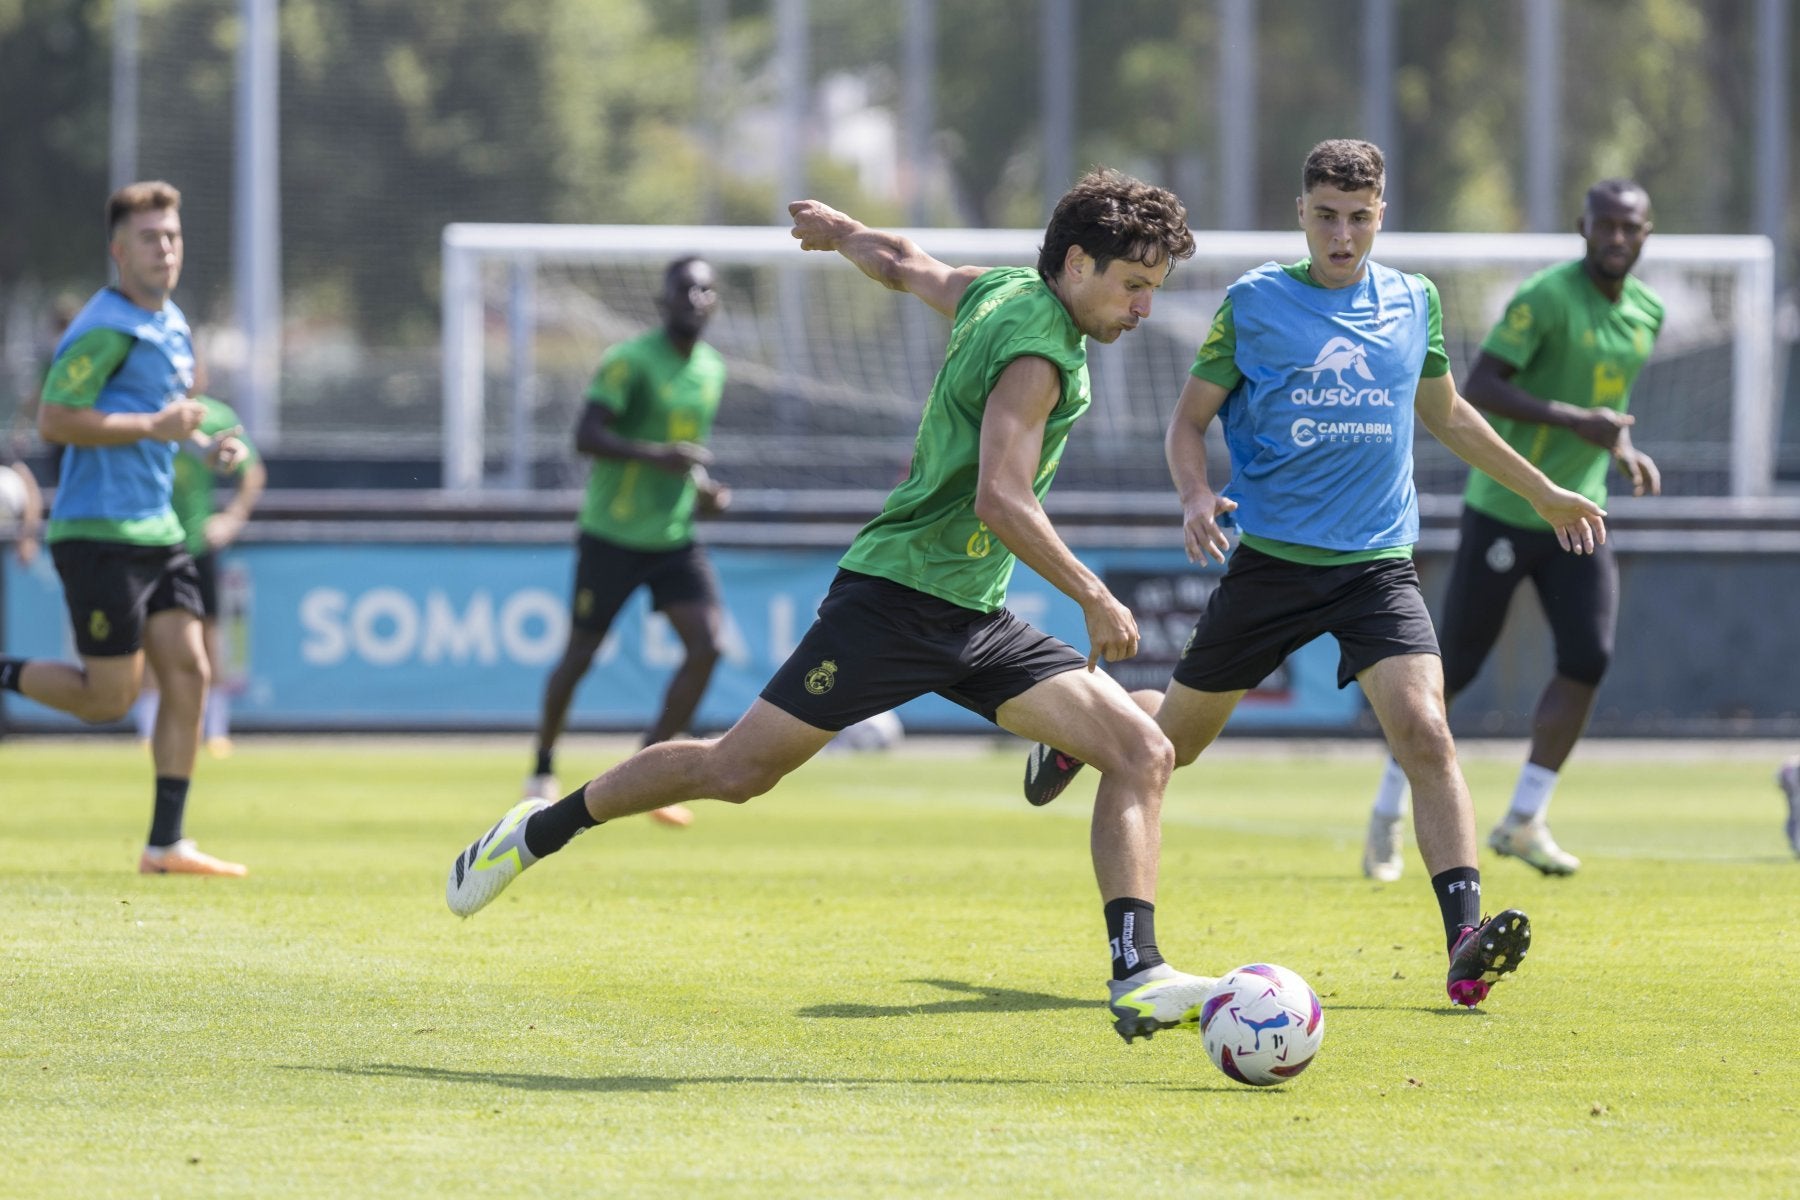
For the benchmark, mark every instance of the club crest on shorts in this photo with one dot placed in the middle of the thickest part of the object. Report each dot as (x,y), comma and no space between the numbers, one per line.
(99,628)
(1500,556)
(821,677)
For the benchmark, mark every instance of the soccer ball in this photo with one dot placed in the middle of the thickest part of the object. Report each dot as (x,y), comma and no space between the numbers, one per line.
(1261,1024)
(13,497)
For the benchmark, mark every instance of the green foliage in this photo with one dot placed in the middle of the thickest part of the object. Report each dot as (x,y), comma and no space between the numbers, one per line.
(882,979)
(399,117)
(53,94)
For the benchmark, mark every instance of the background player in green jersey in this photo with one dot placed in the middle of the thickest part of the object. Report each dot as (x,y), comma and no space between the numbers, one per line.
(117,399)
(649,412)
(208,530)
(1554,378)
(918,605)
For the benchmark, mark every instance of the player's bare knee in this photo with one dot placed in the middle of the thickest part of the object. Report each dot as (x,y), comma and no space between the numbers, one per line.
(102,708)
(740,783)
(1148,757)
(1422,743)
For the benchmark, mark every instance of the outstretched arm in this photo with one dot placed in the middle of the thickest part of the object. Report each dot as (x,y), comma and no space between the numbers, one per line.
(1453,421)
(894,262)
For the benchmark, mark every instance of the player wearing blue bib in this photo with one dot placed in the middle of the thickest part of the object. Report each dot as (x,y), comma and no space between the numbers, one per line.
(117,398)
(1317,372)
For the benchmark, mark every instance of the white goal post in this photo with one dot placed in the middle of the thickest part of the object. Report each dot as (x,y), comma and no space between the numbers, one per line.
(827,371)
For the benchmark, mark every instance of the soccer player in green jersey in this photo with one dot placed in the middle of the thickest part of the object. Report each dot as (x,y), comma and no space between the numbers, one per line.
(208,529)
(919,601)
(1554,377)
(1318,371)
(649,412)
(117,399)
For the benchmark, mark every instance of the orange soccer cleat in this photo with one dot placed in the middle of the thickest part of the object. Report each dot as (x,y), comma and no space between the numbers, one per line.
(185,858)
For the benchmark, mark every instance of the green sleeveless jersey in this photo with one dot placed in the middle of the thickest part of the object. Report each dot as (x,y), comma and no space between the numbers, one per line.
(654,395)
(927,535)
(1568,342)
(195,494)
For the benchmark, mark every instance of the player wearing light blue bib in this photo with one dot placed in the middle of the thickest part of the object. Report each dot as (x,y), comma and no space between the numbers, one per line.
(1317,372)
(116,398)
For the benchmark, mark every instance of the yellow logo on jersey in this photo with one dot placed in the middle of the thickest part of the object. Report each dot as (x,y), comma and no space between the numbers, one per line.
(981,543)
(99,628)
(1518,318)
(683,426)
(821,677)
(78,370)
(1209,349)
(1609,383)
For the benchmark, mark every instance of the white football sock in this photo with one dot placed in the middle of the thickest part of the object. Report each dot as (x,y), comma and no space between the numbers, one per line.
(1532,795)
(1391,793)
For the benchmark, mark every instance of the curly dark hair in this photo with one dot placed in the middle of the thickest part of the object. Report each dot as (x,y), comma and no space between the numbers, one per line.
(1346,164)
(1111,215)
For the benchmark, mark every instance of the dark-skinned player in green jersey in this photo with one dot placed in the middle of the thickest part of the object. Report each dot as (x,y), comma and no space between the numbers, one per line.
(649,411)
(1554,379)
(918,604)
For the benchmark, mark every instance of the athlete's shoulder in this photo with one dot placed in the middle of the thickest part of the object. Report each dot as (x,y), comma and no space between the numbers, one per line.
(1641,295)
(1553,282)
(1008,304)
(1269,273)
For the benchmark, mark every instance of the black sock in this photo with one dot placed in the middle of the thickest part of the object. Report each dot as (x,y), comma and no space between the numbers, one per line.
(543,761)
(10,670)
(1459,899)
(1131,932)
(549,829)
(167,810)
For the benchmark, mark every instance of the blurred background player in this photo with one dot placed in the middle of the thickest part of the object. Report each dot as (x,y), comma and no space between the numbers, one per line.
(650,409)
(1554,377)
(919,602)
(1328,518)
(116,398)
(208,530)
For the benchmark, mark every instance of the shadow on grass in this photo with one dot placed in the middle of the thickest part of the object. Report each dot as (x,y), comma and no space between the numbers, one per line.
(659,1083)
(972,999)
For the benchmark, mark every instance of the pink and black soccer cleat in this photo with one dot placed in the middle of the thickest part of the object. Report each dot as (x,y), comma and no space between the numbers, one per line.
(1485,952)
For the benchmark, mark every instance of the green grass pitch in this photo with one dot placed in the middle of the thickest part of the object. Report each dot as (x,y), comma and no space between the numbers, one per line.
(883,979)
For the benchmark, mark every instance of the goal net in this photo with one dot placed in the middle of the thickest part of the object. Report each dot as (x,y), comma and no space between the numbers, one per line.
(828,371)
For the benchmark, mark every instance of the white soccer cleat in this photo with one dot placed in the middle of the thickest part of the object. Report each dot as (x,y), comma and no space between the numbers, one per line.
(1383,857)
(541,787)
(1159,998)
(1531,842)
(492,861)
